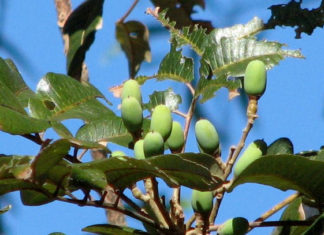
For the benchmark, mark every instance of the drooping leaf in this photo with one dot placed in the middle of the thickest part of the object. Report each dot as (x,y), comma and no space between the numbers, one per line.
(108,130)
(109,229)
(10,76)
(5,209)
(294,211)
(80,29)
(68,99)
(286,172)
(198,171)
(15,123)
(167,97)
(133,37)
(291,14)
(48,157)
(280,146)
(193,36)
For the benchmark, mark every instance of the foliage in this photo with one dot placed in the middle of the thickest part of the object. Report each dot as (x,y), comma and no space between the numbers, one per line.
(57,171)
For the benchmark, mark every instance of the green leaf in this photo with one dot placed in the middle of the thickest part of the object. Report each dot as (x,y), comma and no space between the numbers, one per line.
(108,130)
(230,56)
(16,123)
(198,171)
(48,157)
(69,99)
(167,97)
(280,146)
(10,185)
(207,87)
(5,209)
(176,67)
(133,37)
(10,76)
(108,229)
(317,227)
(192,36)
(80,29)
(9,100)
(14,167)
(286,172)
(294,211)
(88,178)
(35,198)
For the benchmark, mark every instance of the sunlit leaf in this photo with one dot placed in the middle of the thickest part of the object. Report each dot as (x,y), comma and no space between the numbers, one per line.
(167,97)
(286,172)
(18,124)
(79,30)
(133,37)
(70,99)
(5,209)
(108,229)
(10,76)
(198,171)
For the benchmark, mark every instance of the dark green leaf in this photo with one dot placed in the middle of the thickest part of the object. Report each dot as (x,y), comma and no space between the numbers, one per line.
(294,211)
(292,15)
(10,185)
(88,178)
(317,227)
(71,99)
(10,76)
(198,171)
(280,146)
(168,98)
(49,156)
(133,37)
(36,198)
(286,172)
(18,124)
(108,229)
(80,29)
(9,100)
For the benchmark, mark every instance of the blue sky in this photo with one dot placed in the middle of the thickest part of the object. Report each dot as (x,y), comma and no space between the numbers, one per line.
(291,107)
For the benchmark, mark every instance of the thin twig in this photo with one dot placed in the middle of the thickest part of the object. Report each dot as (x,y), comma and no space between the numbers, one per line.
(82,154)
(180,113)
(215,209)
(128,12)
(188,120)
(190,221)
(191,88)
(35,138)
(133,204)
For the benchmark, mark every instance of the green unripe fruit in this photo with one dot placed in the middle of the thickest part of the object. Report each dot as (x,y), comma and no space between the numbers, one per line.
(254,151)
(153,144)
(176,138)
(235,226)
(132,114)
(118,154)
(139,149)
(207,136)
(255,79)
(202,202)
(161,121)
(131,88)
(88,178)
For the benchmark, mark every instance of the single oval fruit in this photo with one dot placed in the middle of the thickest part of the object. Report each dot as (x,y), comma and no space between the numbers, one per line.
(202,202)
(132,114)
(255,79)
(139,149)
(176,139)
(207,136)
(88,178)
(131,88)
(153,144)
(161,121)
(234,226)
(254,151)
